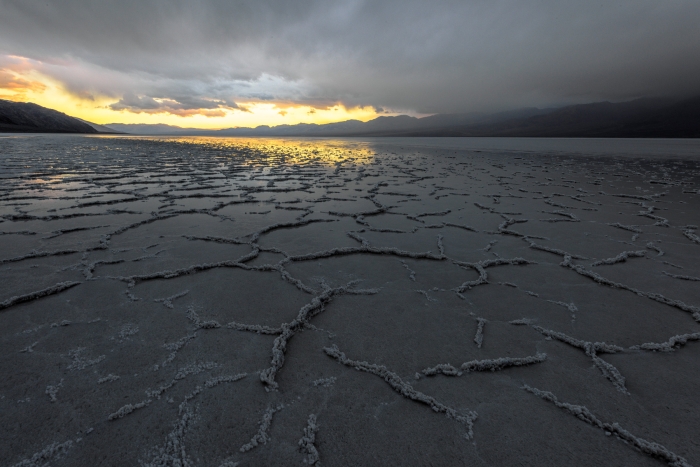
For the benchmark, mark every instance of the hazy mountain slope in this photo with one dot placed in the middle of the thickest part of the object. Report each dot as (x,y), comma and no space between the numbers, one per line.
(99,128)
(642,118)
(151,129)
(380,126)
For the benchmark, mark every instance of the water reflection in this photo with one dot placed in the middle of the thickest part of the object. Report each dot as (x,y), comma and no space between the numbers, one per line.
(269,151)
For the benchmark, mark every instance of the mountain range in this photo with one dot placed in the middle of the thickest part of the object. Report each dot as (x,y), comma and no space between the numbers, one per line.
(640,118)
(26,117)
(380,126)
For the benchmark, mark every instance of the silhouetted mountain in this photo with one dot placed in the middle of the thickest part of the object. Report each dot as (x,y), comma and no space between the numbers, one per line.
(26,117)
(155,129)
(380,126)
(641,118)
(100,128)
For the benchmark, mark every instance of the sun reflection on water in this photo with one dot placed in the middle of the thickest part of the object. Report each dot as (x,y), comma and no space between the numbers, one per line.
(274,151)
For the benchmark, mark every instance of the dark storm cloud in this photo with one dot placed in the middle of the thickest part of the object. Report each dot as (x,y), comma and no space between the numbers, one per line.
(437,56)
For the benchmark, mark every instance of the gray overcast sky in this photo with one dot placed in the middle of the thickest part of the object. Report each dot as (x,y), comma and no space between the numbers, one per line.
(422,56)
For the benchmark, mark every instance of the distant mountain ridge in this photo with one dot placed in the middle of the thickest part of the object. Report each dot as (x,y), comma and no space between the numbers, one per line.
(640,118)
(99,128)
(26,117)
(380,126)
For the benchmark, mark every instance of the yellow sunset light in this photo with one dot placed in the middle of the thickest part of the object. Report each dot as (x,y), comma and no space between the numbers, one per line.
(22,83)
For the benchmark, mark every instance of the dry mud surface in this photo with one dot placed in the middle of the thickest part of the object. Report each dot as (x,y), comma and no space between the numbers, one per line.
(214,302)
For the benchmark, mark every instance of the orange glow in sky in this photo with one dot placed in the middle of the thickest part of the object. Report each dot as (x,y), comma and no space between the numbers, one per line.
(20,81)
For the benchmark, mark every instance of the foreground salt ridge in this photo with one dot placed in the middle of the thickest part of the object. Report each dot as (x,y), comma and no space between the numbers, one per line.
(581,412)
(53,451)
(592,349)
(306,443)
(440,252)
(262,436)
(405,389)
(307,312)
(479,336)
(483,365)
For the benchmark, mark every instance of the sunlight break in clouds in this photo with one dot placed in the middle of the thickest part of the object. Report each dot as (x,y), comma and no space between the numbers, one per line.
(17,80)
(202,63)
(94,94)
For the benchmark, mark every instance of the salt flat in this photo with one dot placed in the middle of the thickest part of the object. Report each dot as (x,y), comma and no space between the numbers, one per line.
(221,302)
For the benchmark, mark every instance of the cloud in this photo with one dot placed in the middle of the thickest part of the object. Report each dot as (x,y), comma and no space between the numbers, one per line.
(16,64)
(439,56)
(183,106)
(15,82)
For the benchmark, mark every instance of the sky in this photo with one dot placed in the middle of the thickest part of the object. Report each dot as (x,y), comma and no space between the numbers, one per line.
(227,63)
